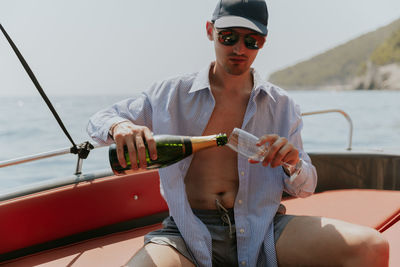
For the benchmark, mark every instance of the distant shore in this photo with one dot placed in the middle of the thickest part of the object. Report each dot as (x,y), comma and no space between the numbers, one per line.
(385,77)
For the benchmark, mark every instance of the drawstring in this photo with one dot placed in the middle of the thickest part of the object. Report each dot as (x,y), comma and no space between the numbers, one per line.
(224,216)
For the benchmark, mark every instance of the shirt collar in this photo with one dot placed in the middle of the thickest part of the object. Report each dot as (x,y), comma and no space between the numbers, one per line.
(261,85)
(202,81)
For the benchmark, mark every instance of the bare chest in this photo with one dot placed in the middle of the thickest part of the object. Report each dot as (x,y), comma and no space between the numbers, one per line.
(213,172)
(226,116)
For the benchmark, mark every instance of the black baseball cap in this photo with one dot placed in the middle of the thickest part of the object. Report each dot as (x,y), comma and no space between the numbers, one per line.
(251,14)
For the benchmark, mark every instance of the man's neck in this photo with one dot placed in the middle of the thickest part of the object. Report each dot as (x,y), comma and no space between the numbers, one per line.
(222,80)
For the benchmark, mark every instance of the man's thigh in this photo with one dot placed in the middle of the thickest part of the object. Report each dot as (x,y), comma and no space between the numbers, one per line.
(159,255)
(316,241)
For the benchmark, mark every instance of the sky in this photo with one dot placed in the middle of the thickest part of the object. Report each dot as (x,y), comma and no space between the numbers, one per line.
(86,47)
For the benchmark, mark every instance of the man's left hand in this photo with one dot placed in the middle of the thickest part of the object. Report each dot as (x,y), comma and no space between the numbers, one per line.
(279,150)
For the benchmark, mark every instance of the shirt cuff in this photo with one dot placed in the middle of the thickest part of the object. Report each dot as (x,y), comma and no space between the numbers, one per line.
(300,181)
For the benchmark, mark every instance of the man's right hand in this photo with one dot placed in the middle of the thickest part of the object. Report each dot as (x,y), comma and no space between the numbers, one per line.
(131,135)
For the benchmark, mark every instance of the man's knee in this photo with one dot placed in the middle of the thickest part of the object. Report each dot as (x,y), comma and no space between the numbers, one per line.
(372,249)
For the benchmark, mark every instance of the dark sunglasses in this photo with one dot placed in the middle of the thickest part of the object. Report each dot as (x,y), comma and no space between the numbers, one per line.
(230,37)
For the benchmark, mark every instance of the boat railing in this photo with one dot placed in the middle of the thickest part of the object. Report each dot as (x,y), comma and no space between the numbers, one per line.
(64,151)
(44,155)
(347,117)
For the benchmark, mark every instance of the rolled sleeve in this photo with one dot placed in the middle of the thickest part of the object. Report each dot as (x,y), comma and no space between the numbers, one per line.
(137,110)
(304,184)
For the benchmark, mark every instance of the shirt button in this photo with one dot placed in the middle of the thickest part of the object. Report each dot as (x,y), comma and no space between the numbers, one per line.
(242,173)
(240,201)
(243,263)
(241,230)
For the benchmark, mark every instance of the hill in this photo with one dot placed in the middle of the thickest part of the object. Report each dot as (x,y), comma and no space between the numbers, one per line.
(371,61)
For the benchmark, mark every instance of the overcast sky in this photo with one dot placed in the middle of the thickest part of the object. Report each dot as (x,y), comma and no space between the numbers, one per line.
(122,47)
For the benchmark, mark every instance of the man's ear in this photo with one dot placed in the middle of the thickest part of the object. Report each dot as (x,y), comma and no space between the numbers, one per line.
(210,30)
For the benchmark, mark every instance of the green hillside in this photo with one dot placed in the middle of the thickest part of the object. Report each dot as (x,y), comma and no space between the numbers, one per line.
(341,64)
(389,51)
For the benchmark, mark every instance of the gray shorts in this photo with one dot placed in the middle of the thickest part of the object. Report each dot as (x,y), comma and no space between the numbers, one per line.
(222,232)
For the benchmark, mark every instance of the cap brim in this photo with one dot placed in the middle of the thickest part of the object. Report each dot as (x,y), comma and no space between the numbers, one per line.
(236,21)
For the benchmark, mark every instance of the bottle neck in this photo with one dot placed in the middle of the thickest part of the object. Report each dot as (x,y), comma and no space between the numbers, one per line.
(201,142)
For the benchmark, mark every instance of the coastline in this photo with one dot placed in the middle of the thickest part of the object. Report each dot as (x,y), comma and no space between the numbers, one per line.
(377,78)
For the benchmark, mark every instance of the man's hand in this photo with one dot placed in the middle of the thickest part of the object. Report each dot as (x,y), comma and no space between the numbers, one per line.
(134,137)
(279,150)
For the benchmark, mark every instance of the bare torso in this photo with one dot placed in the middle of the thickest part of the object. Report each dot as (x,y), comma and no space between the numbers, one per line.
(213,172)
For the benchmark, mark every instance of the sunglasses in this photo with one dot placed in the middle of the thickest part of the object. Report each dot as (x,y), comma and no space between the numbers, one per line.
(230,37)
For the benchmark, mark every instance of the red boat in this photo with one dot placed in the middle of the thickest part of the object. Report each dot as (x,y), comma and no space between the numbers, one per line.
(100,219)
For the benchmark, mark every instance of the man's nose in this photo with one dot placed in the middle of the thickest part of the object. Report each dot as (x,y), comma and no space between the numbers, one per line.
(239,47)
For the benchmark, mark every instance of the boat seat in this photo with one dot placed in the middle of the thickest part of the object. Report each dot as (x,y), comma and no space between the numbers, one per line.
(392,234)
(379,209)
(375,208)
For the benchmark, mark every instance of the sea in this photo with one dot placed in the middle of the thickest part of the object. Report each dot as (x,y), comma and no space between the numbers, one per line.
(27,127)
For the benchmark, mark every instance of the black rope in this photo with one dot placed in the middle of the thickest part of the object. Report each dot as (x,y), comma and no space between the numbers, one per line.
(83,149)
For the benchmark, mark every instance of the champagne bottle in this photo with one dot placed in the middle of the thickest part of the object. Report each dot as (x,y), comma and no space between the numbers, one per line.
(170,149)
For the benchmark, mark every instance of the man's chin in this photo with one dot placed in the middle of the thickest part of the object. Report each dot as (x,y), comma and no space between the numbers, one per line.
(237,71)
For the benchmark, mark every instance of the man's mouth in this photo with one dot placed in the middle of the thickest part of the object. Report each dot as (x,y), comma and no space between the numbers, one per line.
(237,59)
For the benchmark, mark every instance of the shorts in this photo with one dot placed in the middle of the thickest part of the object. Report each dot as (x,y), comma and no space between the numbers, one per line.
(222,229)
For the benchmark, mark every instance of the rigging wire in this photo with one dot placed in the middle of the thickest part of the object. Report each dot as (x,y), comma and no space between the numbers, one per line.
(83,149)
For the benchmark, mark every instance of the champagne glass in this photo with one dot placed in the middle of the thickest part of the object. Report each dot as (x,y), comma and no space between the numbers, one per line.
(245,144)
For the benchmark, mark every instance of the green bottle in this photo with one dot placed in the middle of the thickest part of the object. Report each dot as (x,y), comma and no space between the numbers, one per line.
(170,149)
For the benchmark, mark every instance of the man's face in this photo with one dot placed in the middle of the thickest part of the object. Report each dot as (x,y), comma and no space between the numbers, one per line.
(235,59)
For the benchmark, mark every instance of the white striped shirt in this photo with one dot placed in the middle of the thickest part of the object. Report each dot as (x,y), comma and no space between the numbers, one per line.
(183,106)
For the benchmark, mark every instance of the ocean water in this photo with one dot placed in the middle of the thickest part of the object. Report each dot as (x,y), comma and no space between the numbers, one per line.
(27,127)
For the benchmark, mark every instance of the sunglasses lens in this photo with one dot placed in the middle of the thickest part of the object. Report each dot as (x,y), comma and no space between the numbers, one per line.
(254,41)
(228,37)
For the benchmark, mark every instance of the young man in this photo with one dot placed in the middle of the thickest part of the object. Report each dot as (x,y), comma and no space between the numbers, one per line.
(224,208)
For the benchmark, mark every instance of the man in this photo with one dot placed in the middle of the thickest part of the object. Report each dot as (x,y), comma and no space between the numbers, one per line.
(224,208)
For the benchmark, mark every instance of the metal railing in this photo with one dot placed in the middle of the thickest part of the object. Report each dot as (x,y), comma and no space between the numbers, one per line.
(44,155)
(64,151)
(337,111)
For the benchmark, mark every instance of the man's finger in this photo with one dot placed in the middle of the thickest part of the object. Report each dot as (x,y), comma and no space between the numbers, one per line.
(268,138)
(120,152)
(132,151)
(273,148)
(252,161)
(141,150)
(280,155)
(151,143)
(292,157)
